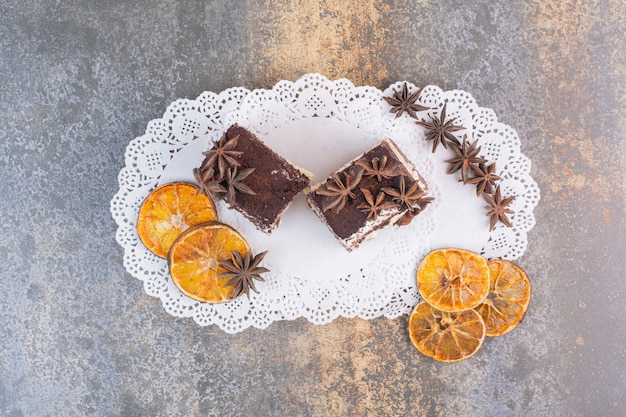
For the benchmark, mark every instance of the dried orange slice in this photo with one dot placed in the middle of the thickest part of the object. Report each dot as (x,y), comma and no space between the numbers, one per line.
(194,261)
(168,211)
(508,298)
(446,336)
(453,279)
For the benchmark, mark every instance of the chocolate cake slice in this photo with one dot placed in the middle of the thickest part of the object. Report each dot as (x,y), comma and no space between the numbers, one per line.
(378,188)
(253,179)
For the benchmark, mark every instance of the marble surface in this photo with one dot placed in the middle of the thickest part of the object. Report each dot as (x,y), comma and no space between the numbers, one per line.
(80,79)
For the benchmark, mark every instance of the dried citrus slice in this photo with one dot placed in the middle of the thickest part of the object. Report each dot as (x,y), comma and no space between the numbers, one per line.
(446,336)
(508,298)
(194,261)
(453,279)
(168,211)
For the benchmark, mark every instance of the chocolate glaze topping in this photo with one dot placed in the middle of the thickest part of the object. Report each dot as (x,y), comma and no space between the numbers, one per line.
(351,219)
(274,181)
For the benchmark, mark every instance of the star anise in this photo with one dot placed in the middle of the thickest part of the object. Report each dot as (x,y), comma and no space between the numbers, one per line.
(409,197)
(234,182)
(485,178)
(497,209)
(440,130)
(243,271)
(403,102)
(222,155)
(337,191)
(408,217)
(208,181)
(466,158)
(373,206)
(378,167)
(422,203)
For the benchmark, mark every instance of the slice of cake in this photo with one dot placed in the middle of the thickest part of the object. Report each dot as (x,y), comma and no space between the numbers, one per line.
(253,179)
(378,188)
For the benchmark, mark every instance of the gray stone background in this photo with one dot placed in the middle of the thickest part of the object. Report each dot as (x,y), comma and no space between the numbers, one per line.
(80,79)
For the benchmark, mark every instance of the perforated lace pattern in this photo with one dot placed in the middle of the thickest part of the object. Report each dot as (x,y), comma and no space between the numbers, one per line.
(385,286)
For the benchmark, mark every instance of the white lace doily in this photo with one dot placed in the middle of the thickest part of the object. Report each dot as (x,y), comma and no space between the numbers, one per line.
(316,123)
